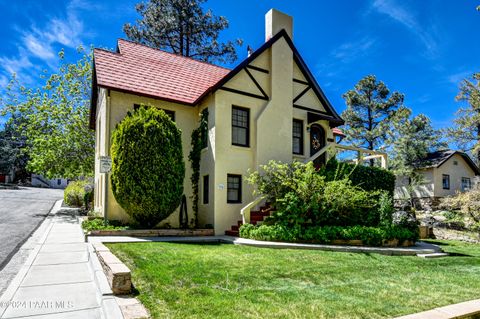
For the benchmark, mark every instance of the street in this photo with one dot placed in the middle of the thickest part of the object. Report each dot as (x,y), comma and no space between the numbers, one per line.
(21,211)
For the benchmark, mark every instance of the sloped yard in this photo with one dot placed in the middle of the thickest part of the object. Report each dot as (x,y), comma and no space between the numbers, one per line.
(227,281)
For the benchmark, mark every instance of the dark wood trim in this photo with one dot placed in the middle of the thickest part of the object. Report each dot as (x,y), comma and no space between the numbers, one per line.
(301,82)
(244,93)
(256,68)
(239,201)
(301,94)
(256,83)
(309,109)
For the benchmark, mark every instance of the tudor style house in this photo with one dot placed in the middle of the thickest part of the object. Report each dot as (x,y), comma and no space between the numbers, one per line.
(268,107)
(444,173)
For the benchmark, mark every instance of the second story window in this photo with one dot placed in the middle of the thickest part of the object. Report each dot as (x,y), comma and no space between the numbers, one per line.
(240,126)
(297,136)
(446,181)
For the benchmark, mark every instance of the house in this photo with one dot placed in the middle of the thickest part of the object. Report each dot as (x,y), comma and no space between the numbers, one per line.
(443,173)
(40,181)
(268,107)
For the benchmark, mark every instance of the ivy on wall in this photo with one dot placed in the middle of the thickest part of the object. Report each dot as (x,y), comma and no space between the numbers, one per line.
(199,142)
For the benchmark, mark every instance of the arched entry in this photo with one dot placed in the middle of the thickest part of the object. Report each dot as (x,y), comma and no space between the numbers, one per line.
(317,142)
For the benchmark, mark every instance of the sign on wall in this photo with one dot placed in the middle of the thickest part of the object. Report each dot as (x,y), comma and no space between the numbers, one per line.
(105,164)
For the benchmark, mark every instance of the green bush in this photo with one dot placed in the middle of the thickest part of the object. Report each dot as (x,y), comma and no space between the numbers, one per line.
(78,194)
(148,167)
(99,224)
(367,177)
(302,196)
(372,236)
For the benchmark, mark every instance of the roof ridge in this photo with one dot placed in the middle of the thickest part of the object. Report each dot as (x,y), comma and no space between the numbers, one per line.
(171,53)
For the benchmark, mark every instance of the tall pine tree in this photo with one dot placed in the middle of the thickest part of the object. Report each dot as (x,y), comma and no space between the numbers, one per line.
(371,113)
(466,130)
(182,27)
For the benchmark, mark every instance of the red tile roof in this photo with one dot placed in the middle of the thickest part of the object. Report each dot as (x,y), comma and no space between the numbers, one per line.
(146,71)
(337,131)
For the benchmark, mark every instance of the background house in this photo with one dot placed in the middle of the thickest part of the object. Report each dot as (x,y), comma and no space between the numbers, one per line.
(444,173)
(40,181)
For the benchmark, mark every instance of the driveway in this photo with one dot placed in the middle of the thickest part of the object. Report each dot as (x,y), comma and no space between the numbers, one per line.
(21,211)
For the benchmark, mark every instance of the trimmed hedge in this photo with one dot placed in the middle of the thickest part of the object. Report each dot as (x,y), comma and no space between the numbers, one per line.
(372,236)
(148,168)
(367,177)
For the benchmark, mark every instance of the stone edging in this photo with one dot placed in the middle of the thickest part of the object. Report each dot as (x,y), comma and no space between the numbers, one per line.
(153,232)
(118,275)
(465,309)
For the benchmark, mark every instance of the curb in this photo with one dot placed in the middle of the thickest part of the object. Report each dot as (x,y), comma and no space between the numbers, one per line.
(17,280)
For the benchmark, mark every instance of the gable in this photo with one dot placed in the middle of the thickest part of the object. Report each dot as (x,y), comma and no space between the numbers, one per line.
(304,95)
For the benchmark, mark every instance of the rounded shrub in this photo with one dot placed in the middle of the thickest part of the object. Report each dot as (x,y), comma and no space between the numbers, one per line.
(78,193)
(147,165)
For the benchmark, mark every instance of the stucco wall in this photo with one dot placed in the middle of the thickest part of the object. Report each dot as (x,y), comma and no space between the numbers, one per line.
(421,191)
(456,173)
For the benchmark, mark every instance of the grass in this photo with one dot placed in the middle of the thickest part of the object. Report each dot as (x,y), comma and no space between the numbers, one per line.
(227,281)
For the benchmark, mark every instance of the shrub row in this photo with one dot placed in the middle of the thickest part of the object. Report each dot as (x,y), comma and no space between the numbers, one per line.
(372,236)
(367,177)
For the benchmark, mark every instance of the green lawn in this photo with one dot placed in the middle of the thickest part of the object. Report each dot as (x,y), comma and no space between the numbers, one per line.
(227,281)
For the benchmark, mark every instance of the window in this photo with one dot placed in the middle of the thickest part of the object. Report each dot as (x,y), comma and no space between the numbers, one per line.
(204,132)
(455,163)
(234,188)
(297,137)
(466,184)
(171,114)
(59,181)
(446,181)
(240,126)
(205,189)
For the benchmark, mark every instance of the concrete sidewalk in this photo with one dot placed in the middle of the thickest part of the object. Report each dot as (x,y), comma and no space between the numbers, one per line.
(59,279)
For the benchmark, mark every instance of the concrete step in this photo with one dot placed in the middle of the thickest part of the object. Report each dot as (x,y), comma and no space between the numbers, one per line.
(434,255)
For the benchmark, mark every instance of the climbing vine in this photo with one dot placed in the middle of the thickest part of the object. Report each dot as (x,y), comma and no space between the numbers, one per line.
(199,142)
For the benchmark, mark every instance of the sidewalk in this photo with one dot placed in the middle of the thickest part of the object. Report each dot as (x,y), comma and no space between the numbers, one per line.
(58,279)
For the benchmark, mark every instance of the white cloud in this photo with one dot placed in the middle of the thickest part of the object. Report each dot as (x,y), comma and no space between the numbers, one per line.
(408,20)
(456,78)
(42,42)
(348,51)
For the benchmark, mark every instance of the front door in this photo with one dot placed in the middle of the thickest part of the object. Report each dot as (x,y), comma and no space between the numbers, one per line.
(317,142)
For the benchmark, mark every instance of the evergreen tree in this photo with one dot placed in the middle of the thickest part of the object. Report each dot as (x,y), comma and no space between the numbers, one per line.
(466,130)
(371,113)
(411,140)
(182,27)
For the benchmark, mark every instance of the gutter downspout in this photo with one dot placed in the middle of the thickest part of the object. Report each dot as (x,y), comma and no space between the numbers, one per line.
(107,143)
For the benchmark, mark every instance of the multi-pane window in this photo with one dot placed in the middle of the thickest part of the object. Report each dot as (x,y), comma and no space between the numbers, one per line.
(297,135)
(205,189)
(171,114)
(466,184)
(240,126)
(234,188)
(446,181)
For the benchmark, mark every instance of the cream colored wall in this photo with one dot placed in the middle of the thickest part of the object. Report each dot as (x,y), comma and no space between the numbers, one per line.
(207,167)
(186,118)
(456,173)
(421,191)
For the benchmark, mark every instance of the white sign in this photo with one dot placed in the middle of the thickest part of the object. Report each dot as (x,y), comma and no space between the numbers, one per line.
(221,186)
(105,164)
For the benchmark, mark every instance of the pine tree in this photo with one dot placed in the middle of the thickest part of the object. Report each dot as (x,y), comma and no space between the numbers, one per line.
(466,130)
(371,113)
(182,27)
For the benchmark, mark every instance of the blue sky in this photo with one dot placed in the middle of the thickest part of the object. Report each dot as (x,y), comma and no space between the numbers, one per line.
(421,48)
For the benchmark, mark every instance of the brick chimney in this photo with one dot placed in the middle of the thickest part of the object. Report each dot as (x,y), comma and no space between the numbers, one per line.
(275,21)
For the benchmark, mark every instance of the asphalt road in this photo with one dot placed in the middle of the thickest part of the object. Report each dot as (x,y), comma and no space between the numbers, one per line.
(21,211)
